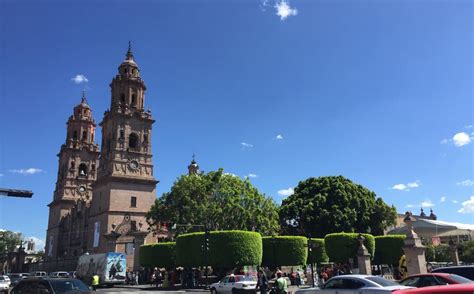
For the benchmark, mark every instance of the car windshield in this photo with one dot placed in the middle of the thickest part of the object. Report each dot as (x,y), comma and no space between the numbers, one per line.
(63,286)
(459,279)
(381,281)
(246,278)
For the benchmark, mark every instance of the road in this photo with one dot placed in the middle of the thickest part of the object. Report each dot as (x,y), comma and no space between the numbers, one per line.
(146,290)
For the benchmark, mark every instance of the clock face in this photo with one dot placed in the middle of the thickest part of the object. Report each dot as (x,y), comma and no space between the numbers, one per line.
(82,189)
(133,164)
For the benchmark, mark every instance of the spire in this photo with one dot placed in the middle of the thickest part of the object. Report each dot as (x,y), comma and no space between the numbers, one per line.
(193,168)
(83,99)
(422,213)
(129,51)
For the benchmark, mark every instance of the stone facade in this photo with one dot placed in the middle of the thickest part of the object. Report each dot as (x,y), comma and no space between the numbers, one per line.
(120,186)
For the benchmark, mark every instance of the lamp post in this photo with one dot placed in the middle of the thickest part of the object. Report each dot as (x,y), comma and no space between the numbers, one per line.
(310,249)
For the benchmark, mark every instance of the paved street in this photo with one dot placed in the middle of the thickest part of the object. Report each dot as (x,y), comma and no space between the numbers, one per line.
(145,289)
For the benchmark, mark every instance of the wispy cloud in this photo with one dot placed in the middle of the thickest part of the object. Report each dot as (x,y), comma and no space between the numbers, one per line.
(455,201)
(442,199)
(459,139)
(468,127)
(28,171)
(1,175)
(279,137)
(79,79)
(286,192)
(466,183)
(252,175)
(246,145)
(406,187)
(424,204)
(284,9)
(467,206)
(232,175)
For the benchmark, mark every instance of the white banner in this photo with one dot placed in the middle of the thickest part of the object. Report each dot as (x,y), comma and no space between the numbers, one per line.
(96,234)
(50,247)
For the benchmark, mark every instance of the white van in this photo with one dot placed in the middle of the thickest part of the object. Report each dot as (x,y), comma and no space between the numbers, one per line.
(59,275)
(39,274)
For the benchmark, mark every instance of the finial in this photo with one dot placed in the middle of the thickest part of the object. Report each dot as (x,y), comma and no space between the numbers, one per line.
(129,51)
(194,156)
(84,100)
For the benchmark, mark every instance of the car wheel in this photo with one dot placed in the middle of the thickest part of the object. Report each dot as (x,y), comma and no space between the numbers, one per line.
(213,291)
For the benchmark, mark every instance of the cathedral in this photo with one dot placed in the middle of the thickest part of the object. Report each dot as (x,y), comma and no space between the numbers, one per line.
(101,197)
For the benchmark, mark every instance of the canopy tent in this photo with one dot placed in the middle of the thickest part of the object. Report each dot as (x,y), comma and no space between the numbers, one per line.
(428,228)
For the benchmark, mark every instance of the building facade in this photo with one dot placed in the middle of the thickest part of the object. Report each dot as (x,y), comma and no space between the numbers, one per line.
(101,199)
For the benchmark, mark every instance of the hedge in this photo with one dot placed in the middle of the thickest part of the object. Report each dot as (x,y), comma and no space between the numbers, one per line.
(284,250)
(158,254)
(318,252)
(440,253)
(388,249)
(227,249)
(340,247)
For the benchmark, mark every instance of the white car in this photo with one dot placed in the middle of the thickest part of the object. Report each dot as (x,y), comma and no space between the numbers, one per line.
(235,284)
(4,284)
(355,284)
(59,275)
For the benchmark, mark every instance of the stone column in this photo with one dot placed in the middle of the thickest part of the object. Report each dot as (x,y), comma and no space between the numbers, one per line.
(414,250)
(453,247)
(139,241)
(363,257)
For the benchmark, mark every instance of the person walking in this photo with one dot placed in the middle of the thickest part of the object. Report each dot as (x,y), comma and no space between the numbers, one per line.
(281,284)
(262,282)
(95,282)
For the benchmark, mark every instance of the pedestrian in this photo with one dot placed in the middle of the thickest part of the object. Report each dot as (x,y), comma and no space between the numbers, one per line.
(95,282)
(262,282)
(281,284)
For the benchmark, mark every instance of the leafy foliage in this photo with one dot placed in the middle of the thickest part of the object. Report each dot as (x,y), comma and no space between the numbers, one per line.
(325,205)
(221,201)
(284,250)
(8,242)
(158,254)
(388,249)
(318,252)
(342,246)
(467,251)
(227,249)
(440,253)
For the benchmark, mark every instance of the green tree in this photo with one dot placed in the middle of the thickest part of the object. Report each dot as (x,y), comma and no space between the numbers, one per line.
(325,205)
(8,242)
(221,201)
(467,251)
(440,253)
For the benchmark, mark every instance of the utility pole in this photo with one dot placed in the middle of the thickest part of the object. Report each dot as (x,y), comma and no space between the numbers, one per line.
(310,249)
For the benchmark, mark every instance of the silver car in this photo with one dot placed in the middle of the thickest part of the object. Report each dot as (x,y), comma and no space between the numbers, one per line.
(355,284)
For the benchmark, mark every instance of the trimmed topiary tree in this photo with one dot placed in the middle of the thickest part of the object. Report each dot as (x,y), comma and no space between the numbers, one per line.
(388,249)
(158,254)
(340,247)
(318,252)
(227,249)
(284,250)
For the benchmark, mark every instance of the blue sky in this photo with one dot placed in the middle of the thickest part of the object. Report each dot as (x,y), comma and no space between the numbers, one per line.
(378,91)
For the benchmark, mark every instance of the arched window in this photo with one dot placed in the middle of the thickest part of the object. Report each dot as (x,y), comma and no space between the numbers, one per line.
(83,169)
(73,165)
(84,135)
(133,140)
(145,138)
(122,98)
(122,133)
(134,99)
(74,135)
(93,167)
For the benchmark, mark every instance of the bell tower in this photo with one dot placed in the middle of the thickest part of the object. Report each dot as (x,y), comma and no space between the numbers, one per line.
(77,170)
(126,188)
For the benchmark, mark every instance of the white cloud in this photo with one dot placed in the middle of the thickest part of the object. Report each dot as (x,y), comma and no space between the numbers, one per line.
(79,79)
(461,139)
(246,145)
(427,203)
(284,10)
(406,187)
(231,174)
(39,243)
(410,205)
(442,199)
(286,192)
(468,127)
(466,183)
(279,137)
(455,201)
(252,176)
(1,175)
(29,171)
(467,206)
(444,141)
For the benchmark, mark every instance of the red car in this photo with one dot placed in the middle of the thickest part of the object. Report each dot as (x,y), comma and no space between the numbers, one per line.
(447,289)
(433,279)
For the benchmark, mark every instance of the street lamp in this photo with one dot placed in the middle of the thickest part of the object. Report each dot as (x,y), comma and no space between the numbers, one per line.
(310,249)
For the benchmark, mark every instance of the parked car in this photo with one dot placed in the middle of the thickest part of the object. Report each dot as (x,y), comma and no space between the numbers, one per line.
(433,279)
(4,284)
(50,286)
(466,271)
(235,284)
(447,289)
(357,284)
(16,277)
(39,274)
(59,275)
